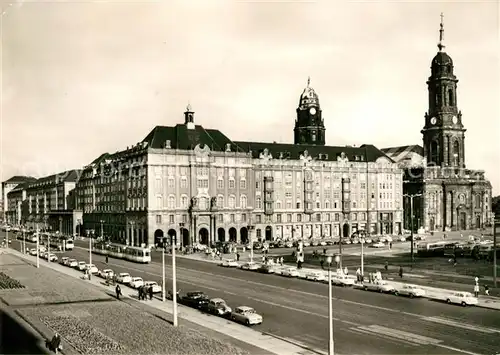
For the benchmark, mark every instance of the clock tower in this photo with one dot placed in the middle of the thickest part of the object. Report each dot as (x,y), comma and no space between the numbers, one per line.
(309,125)
(443,132)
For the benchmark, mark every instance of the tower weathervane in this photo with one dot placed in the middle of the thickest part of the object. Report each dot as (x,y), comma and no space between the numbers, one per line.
(441,34)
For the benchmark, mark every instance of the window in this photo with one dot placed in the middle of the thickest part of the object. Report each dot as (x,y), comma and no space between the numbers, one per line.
(220,201)
(289,217)
(232,201)
(278,218)
(171,218)
(158,184)
(327,204)
(183,182)
(158,219)
(202,183)
(336,217)
(171,202)
(184,201)
(258,232)
(258,203)
(258,218)
(202,204)
(231,183)
(232,217)
(159,202)
(220,184)
(243,184)
(243,201)
(220,218)
(318,217)
(298,204)
(318,204)
(278,205)
(171,182)
(299,218)
(354,216)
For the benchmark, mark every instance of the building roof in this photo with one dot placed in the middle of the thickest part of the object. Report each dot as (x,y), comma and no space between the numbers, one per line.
(65,176)
(400,153)
(366,152)
(18,179)
(181,137)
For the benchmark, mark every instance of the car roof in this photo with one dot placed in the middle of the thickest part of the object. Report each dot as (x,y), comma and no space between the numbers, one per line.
(217,300)
(245,308)
(124,273)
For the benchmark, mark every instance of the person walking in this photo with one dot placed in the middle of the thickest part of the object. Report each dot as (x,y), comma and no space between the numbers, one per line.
(150,291)
(486,290)
(386,266)
(358,275)
(106,259)
(476,290)
(400,272)
(118,291)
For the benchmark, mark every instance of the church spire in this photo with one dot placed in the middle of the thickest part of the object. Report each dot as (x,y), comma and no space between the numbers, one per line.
(441,34)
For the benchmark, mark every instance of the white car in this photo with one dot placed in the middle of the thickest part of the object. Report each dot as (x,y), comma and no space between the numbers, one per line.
(82,265)
(378,245)
(306,243)
(51,257)
(246,315)
(250,266)
(93,269)
(136,282)
(342,280)
(378,286)
(33,252)
(462,298)
(402,238)
(315,276)
(64,260)
(105,273)
(124,278)
(154,285)
(229,263)
(409,290)
(322,243)
(368,241)
(290,272)
(72,263)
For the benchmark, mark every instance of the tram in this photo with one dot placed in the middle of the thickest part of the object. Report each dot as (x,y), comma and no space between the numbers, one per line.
(120,251)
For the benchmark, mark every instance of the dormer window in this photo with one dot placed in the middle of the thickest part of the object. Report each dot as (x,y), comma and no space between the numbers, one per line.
(168,144)
(228,147)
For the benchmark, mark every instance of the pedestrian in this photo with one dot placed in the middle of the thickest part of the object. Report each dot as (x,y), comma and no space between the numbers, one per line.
(358,275)
(476,290)
(390,245)
(346,272)
(486,290)
(401,272)
(386,266)
(455,259)
(118,291)
(150,290)
(237,256)
(281,260)
(263,258)
(106,259)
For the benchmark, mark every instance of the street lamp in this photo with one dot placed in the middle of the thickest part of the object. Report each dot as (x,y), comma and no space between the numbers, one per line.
(330,306)
(132,236)
(411,196)
(102,229)
(174,276)
(37,246)
(250,231)
(362,235)
(163,270)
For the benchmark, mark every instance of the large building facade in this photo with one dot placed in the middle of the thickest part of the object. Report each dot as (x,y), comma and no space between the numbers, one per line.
(9,213)
(448,195)
(202,187)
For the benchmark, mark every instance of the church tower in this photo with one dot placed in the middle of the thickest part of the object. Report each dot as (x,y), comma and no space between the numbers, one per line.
(309,125)
(443,132)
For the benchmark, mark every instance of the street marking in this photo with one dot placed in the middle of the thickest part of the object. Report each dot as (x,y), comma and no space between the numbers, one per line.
(457,350)
(386,337)
(399,334)
(457,324)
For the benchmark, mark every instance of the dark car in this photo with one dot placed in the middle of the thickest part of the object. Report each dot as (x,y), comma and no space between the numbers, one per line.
(196,299)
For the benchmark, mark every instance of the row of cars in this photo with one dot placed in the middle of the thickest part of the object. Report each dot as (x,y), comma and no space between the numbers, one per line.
(42,253)
(339,279)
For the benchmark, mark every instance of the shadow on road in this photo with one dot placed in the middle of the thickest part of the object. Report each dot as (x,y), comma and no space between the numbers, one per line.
(16,339)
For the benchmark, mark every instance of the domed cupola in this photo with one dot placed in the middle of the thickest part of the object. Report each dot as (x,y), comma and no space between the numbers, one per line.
(442,64)
(309,98)
(309,125)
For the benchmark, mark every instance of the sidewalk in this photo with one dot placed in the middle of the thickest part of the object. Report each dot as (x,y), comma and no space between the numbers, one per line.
(220,325)
(415,278)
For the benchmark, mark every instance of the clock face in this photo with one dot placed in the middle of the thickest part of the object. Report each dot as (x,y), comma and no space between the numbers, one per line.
(433,120)
(312,111)
(454,119)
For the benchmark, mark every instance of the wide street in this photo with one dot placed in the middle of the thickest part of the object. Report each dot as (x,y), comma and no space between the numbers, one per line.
(364,323)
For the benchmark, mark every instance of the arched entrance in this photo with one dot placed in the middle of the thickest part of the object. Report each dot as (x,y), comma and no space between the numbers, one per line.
(345,230)
(172,233)
(204,236)
(478,221)
(185,237)
(221,235)
(232,234)
(244,235)
(432,224)
(462,221)
(269,233)
(159,237)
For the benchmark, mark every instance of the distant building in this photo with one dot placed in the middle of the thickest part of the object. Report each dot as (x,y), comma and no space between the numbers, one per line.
(47,202)
(197,183)
(452,196)
(7,186)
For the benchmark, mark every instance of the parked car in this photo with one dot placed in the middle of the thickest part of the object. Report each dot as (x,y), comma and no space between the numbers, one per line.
(196,299)
(289,244)
(229,263)
(73,263)
(410,291)
(81,265)
(250,266)
(124,278)
(64,260)
(342,280)
(154,285)
(315,276)
(462,298)
(92,268)
(246,315)
(266,269)
(290,272)
(33,252)
(402,238)
(136,282)
(52,257)
(379,286)
(105,273)
(377,245)
(218,307)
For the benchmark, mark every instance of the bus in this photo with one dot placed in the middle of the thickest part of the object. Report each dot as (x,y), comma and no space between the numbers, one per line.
(433,249)
(120,251)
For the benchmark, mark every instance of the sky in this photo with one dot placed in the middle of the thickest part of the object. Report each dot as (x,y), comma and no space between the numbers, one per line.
(83,78)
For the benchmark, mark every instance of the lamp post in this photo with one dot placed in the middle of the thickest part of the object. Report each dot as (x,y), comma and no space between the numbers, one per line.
(102,229)
(37,246)
(163,282)
(250,231)
(48,247)
(495,224)
(90,247)
(330,306)
(174,276)
(411,196)
(362,242)
(24,240)
(132,242)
